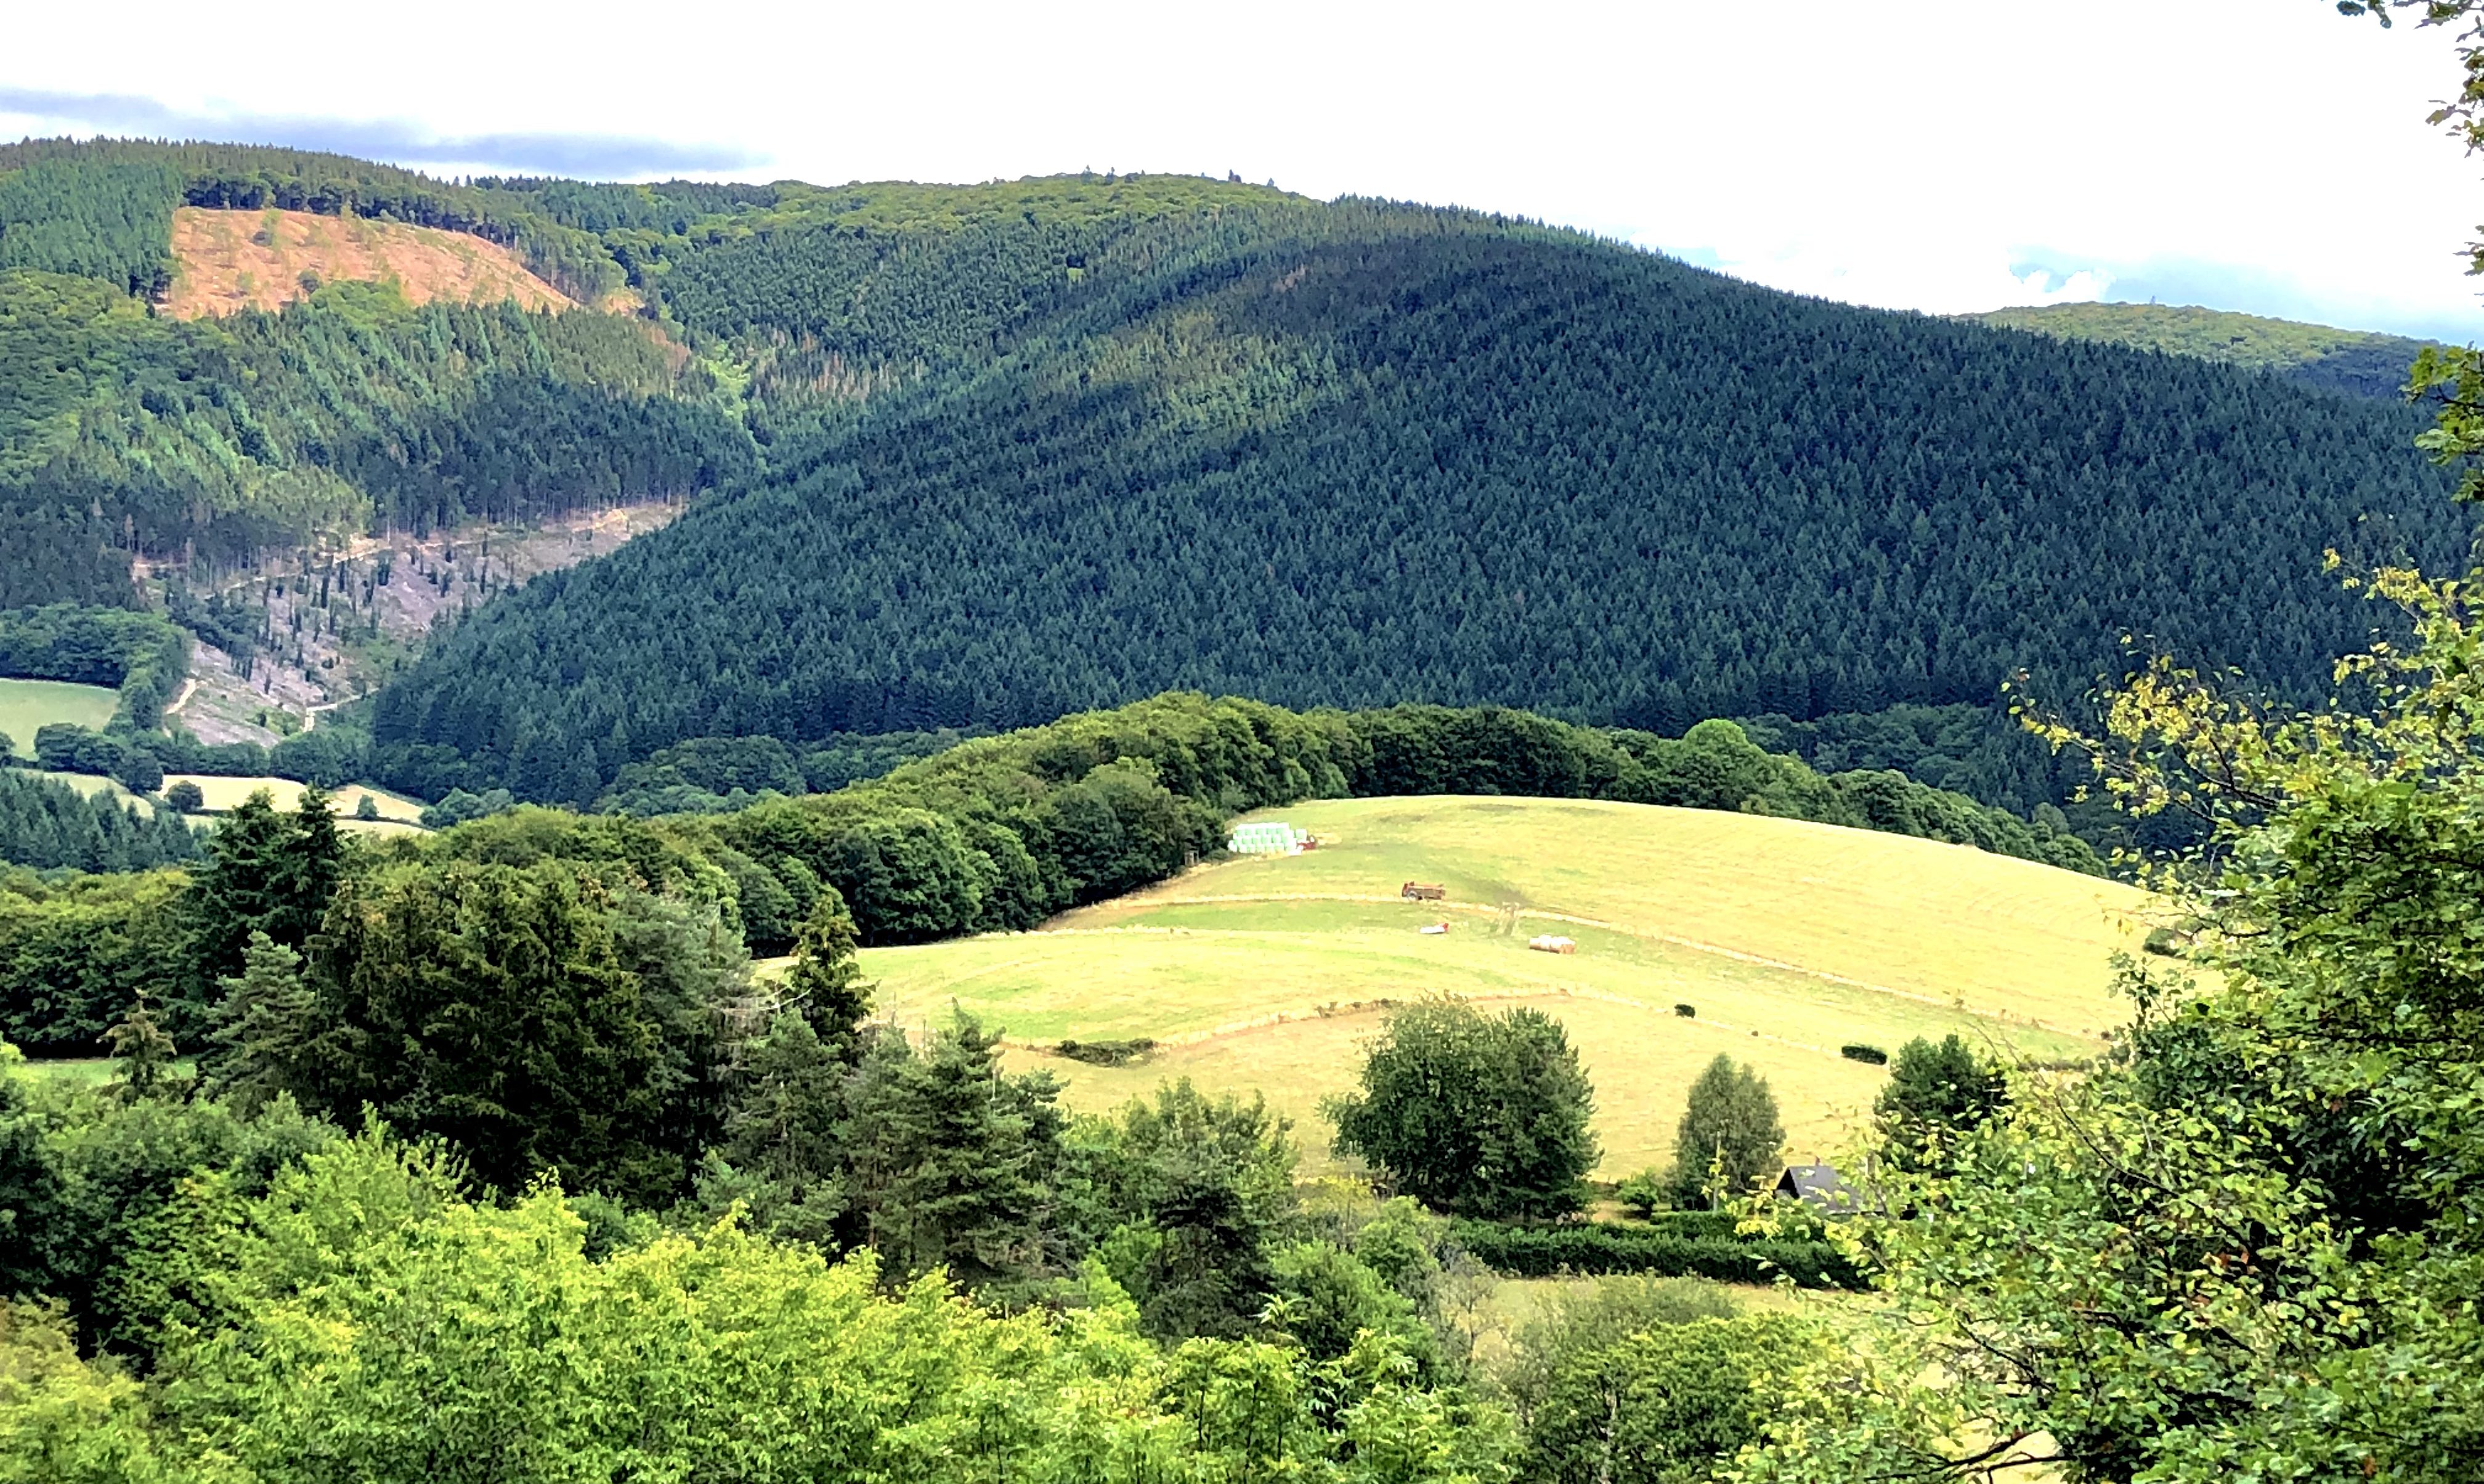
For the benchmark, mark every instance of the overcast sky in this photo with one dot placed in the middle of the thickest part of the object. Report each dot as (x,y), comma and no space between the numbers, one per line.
(2266,156)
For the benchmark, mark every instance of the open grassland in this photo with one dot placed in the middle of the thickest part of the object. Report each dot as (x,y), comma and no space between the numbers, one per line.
(89,1071)
(1789,940)
(28,704)
(224,795)
(93,786)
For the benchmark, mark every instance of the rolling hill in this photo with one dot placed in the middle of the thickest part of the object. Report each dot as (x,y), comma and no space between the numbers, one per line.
(2361,363)
(1359,453)
(1790,939)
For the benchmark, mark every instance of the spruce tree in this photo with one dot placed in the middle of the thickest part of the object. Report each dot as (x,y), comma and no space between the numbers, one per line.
(950,1157)
(141,1052)
(261,1027)
(824,984)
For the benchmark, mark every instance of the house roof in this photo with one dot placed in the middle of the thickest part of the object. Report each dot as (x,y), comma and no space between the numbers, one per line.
(1820,1186)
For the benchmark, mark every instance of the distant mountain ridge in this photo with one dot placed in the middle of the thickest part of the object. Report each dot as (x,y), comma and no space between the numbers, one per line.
(2363,363)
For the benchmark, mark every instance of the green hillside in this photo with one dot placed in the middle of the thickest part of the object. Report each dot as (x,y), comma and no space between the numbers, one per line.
(2361,361)
(1790,939)
(1355,454)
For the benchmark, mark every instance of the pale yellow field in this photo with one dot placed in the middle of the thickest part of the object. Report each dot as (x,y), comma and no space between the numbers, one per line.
(1788,939)
(226,793)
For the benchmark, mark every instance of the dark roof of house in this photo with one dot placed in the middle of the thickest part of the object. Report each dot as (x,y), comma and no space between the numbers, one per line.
(1821,1186)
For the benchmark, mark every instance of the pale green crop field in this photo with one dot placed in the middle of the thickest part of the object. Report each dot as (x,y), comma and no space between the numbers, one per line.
(1788,939)
(28,704)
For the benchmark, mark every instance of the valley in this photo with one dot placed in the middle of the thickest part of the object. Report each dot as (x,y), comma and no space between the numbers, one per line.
(1880,895)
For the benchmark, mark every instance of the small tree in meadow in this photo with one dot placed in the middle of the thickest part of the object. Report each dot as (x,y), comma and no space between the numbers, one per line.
(1474,1113)
(1730,1135)
(1935,1091)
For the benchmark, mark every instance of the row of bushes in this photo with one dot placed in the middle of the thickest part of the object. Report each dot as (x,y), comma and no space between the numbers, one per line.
(330,757)
(141,656)
(1594,1247)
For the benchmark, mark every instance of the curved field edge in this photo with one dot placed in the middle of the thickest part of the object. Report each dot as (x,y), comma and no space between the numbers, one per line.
(1788,941)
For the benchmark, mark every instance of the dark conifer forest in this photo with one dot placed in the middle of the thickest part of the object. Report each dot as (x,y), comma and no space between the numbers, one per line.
(1363,453)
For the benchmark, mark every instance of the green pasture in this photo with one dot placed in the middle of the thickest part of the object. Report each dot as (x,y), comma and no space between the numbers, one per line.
(1789,940)
(28,704)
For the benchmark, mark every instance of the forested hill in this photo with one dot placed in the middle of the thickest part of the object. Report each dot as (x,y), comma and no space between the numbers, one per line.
(129,435)
(1362,453)
(2363,363)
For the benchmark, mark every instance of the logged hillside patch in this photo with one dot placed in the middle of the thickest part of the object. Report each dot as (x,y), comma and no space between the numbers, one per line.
(226,261)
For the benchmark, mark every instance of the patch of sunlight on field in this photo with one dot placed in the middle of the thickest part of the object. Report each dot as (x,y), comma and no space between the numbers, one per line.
(1640,1060)
(1914,916)
(28,704)
(224,795)
(88,1071)
(1786,942)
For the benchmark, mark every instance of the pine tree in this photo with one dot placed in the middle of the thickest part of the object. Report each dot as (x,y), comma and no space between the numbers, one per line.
(950,1157)
(143,1052)
(261,1027)
(824,984)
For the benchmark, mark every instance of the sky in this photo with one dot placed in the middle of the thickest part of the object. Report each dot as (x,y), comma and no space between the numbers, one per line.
(2263,155)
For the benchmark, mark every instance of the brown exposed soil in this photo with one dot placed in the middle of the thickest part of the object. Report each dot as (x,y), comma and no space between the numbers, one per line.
(232,260)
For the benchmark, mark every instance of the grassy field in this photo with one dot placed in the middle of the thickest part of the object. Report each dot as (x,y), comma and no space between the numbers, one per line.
(397,813)
(1788,939)
(90,1072)
(28,704)
(91,785)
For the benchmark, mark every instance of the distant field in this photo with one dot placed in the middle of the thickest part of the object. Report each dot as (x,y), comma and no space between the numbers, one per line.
(1789,940)
(90,785)
(28,704)
(225,794)
(90,1072)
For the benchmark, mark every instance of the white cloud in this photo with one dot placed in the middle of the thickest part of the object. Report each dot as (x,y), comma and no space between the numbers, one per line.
(1916,155)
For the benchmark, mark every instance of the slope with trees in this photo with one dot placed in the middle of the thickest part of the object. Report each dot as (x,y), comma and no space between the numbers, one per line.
(2360,362)
(1360,453)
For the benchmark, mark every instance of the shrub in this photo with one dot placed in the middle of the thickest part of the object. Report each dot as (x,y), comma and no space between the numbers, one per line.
(1106,1053)
(1870,1055)
(1546,1251)
(186,796)
(1686,1011)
